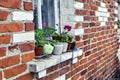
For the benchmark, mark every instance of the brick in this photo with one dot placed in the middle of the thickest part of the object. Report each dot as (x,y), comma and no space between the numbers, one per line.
(64,70)
(77,25)
(87,30)
(94,7)
(28,57)
(13,47)
(87,6)
(28,6)
(77,12)
(52,76)
(3,15)
(84,12)
(0,75)
(2,52)
(83,72)
(27,47)
(10,61)
(53,68)
(64,64)
(79,44)
(85,25)
(5,39)
(77,38)
(13,60)
(28,76)
(75,77)
(87,53)
(11,4)
(29,26)
(68,75)
(11,27)
(10,72)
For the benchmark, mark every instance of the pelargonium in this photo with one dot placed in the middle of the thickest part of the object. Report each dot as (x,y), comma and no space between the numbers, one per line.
(67,27)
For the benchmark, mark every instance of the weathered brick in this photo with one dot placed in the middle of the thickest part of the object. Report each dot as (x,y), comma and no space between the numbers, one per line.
(64,70)
(9,61)
(5,39)
(11,27)
(13,47)
(75,77)
(11,3)
(29,26)
(77,25)
(10,72)
(27,47)
(79,44)
(87,53)
(87,6)
(83,72)
(64,64)
(52,76)
(3,15)
(28,6)
(28,76)
(53,68)
(77,38)
(28,57)
(2,52)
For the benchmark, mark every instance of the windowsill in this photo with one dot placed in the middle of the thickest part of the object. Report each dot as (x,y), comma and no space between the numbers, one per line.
(42,64)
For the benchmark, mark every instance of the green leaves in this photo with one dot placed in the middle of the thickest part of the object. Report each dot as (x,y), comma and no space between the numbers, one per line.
(118,23)
(40,38)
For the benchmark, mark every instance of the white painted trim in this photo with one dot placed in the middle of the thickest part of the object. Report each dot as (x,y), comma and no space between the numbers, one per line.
(39,14)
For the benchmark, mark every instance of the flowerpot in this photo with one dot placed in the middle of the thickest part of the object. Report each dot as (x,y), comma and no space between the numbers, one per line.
(47,49)
(38,51)
(71,46)
(58,48)
(65,45)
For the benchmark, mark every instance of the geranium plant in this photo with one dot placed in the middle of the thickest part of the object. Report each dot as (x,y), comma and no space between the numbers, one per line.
(65,37)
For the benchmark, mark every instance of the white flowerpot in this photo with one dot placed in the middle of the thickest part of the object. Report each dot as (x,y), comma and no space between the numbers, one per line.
(65,46)
(58,48)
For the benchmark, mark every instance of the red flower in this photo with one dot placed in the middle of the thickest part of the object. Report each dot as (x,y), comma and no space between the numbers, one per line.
(67,27)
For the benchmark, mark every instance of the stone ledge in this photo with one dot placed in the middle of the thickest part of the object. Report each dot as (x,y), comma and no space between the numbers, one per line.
(42,64)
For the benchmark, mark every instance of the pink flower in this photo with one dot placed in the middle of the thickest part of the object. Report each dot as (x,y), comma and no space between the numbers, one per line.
(45,24)
(67,27)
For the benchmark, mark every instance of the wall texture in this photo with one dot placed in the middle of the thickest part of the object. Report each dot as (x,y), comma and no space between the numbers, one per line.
(16,38)
(94,27)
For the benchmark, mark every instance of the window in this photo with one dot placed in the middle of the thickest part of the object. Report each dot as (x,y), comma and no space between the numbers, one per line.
(46,11)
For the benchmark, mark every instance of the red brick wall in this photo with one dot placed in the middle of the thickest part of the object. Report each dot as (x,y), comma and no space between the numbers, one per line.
(98,43)
(14,56)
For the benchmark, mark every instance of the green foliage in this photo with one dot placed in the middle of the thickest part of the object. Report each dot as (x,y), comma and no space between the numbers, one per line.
(50,31)
(118,23)
(40,38)
(64,37)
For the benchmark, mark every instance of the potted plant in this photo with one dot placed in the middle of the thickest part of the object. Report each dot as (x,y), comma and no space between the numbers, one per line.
(42,45)
(40,40)
(65,38)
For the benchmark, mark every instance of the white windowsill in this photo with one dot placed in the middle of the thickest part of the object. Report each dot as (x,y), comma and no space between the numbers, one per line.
(42,64)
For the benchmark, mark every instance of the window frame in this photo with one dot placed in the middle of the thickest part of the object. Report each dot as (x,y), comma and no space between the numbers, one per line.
(37,5)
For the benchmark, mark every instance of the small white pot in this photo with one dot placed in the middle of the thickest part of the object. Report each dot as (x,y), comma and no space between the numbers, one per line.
(58,48)
(65,45)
